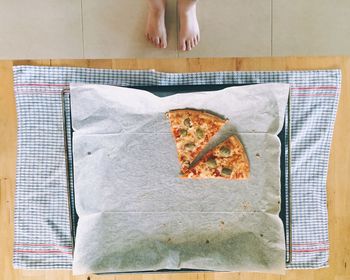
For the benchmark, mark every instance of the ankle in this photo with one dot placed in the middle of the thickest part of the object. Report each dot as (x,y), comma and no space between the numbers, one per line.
(157,12)
(156,7)
(187,4)
(186,7)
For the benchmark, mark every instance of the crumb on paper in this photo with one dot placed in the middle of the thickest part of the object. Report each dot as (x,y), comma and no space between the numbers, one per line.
(246,205)
(222,225)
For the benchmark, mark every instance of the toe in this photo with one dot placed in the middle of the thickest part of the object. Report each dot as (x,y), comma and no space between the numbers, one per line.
(156,41)
(189,47)
(193,43)
(163,43)
(183,45)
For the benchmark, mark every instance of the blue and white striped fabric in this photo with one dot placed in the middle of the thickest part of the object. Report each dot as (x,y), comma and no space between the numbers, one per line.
(43,238)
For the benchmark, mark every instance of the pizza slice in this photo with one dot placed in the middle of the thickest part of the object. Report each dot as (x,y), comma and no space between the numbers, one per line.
(228,160)
(192,130)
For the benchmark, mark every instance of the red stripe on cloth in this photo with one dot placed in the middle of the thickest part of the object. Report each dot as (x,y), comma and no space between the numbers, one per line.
(314,94)
(314,88)
(39,92)
(311,243)
(311,250)
(41,85)
(42,245)
(43,252)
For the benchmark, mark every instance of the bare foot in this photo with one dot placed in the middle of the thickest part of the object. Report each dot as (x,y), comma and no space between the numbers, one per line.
(189,29)
(155,27)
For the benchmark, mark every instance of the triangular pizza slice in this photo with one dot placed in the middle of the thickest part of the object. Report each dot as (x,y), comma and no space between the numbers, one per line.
(228,160)
(192,130)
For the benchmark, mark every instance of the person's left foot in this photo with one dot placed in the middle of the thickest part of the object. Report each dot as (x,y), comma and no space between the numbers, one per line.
(189,28)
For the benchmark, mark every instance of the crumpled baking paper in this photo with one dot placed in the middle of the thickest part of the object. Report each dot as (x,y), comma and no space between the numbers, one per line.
(136,214)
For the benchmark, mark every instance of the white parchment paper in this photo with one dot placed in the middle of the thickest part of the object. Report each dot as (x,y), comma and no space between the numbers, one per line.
(136,214)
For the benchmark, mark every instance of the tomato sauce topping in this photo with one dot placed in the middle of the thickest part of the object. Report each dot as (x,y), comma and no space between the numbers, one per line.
(176,133)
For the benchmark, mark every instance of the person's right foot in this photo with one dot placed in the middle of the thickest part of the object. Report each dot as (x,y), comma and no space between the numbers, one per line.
(189,28)
(155,27)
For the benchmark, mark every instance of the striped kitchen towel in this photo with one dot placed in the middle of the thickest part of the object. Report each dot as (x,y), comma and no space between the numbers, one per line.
(43,234)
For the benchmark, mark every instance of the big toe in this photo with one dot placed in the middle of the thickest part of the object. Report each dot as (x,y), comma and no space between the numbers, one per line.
(183,45)
(163,43)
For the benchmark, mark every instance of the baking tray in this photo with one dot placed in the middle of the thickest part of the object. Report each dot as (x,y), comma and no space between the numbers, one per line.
(162,91)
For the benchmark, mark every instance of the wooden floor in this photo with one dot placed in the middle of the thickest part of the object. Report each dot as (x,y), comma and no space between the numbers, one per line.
(338,183)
